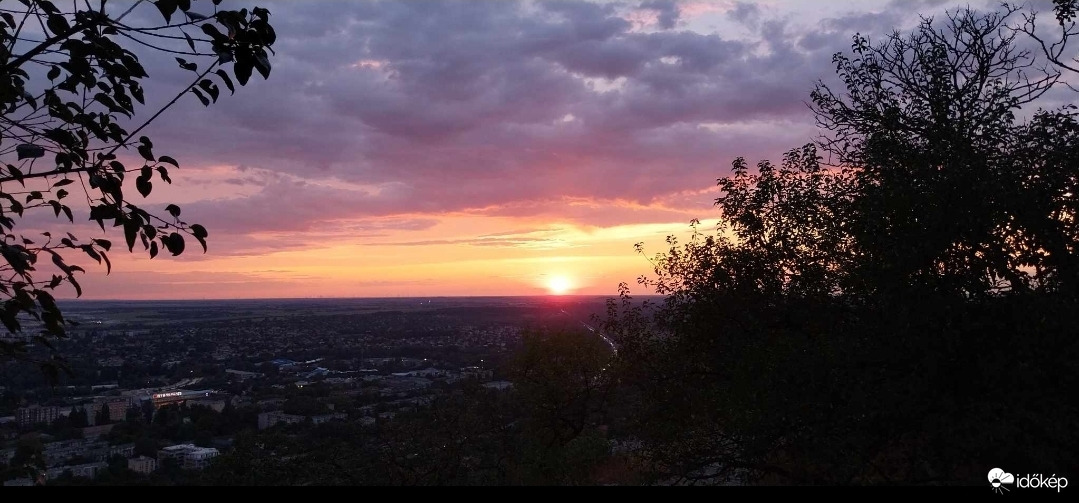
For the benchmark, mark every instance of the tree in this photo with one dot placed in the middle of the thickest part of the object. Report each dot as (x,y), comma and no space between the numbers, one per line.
(1055,49)
(927,125)
(562,383)
(72,99)
(102,416)
(78,418)
(881,313)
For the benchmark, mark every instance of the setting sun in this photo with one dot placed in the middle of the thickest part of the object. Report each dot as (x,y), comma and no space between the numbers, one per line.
(559,285)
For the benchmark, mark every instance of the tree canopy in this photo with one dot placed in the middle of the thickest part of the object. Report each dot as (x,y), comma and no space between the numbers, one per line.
(73,98)
(891,303)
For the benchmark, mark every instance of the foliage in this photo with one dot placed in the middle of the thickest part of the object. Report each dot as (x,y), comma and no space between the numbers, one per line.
(72,99)
(546,429)
(898,314)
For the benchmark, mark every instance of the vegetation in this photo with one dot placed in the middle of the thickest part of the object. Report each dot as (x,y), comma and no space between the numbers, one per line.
(893,304)
(897,314)
(72,99)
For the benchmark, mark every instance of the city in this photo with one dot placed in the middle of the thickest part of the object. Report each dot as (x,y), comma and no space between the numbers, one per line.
(160,389)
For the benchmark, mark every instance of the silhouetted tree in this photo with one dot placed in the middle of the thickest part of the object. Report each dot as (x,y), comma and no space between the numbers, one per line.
(102,416)
(887,316)
(70,96)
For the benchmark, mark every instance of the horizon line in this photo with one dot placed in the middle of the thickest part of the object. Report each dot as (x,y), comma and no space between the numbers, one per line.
(353,298)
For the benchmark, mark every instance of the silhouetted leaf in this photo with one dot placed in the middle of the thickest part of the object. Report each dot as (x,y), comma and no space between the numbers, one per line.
(200,234)
(228,80)
(167,7)
(57,24)
(174,242)
(144,185)
(242,69)
(205,101)
(190,42)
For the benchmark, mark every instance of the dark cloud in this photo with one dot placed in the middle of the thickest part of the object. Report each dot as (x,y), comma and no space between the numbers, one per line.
(377,109)
(746,13)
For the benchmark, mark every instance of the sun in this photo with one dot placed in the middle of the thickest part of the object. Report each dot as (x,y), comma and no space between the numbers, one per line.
(559,285)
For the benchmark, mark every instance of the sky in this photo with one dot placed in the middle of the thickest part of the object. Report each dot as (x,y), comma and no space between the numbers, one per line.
(429,148)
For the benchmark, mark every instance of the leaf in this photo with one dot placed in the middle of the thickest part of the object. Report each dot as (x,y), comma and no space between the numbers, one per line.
(210,89)
(153,249)
(16,173)
(174,243)
(92,253)
(228,80)
(146,148)
(146,153)
(205,101)
(67,211)
(167,7)
(173,210)
(242,69)
(169,160)
(262,64)
(78,288)
(190,42)
(213,32)
(164,174)
(105,244)
(54,72)
(187,66)
(144,185)
(61,183)
(57,24)
(136,91)
(27,151)
(200,234)
(131,231)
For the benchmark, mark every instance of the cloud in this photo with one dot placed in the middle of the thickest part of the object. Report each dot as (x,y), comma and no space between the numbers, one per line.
(407,111)
(459,105)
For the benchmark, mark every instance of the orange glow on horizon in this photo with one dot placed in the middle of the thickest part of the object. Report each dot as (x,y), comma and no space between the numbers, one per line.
(459,255)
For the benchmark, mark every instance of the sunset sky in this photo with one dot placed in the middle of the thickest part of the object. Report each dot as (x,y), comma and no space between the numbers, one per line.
(423,148)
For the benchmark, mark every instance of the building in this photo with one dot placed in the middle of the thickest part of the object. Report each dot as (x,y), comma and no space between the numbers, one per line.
(269,419)
(188,456)
(88,470)
(170,397)
(117,409)
(58,453)
(35,414)
(122,450)
(142,464)
(217,405)
(498,385)
(244,374)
